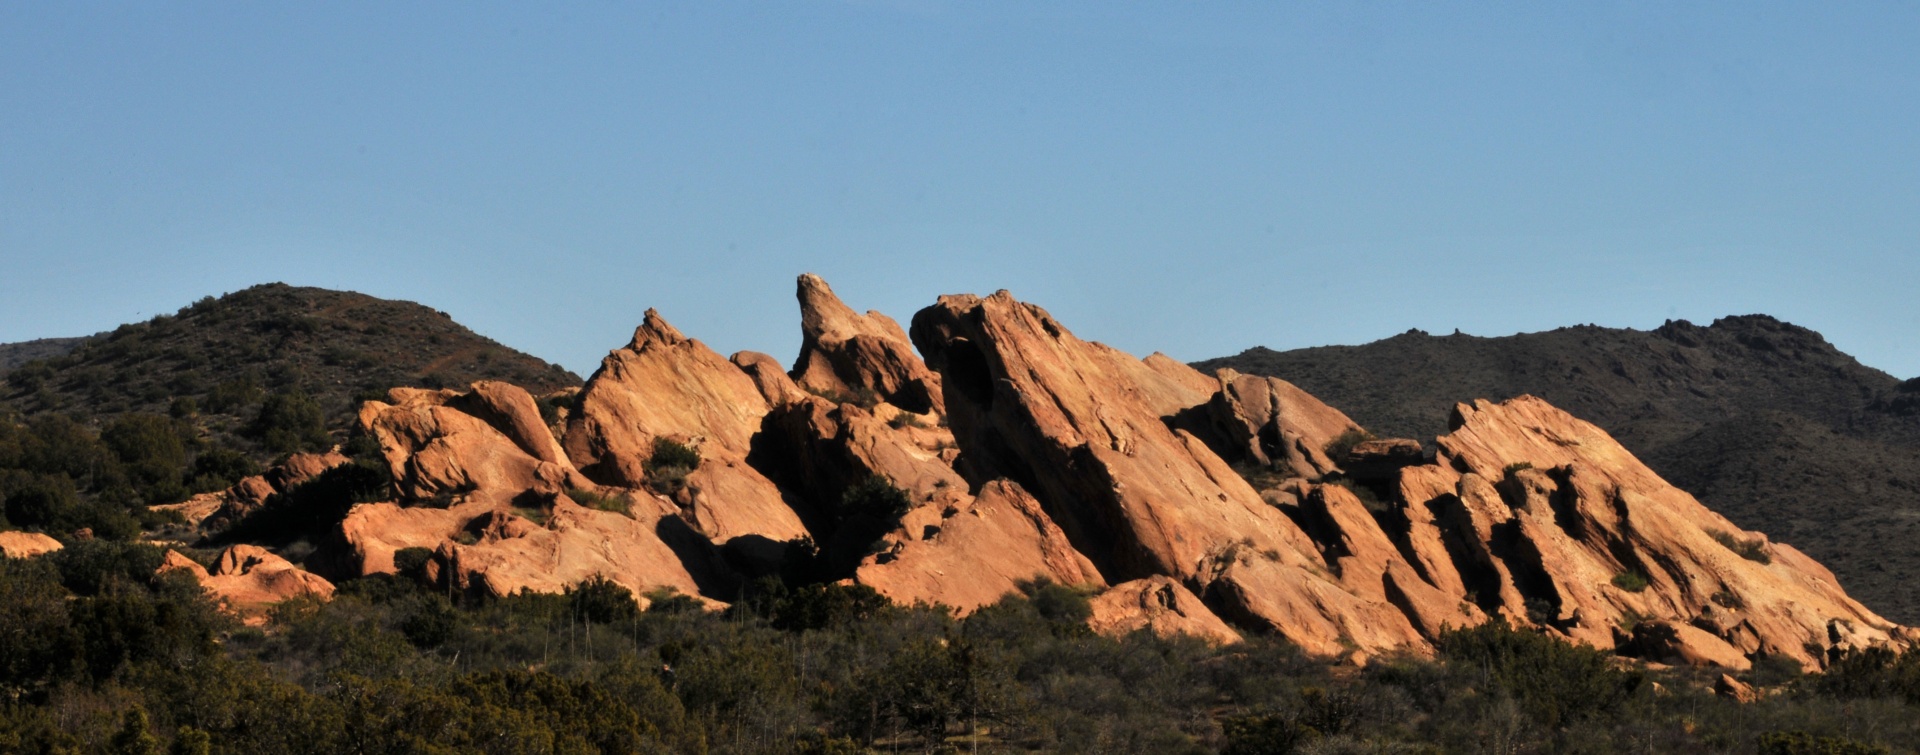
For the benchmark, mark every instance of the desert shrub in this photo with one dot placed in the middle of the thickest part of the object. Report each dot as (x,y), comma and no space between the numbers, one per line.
(219,468)
(1342,444)
(670,463)
(875,497)
(1518,466)
(617,503)
(602,600)
(230,396)
(820,606)
(1752,550)
(1802,743)
(290,421)
(1555,682)
(1630,580)
(1872,673)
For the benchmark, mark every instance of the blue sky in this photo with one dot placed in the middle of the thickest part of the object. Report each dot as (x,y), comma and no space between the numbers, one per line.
(1193,178)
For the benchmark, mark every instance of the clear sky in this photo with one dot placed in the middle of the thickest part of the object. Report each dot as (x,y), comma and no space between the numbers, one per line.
(1193,178)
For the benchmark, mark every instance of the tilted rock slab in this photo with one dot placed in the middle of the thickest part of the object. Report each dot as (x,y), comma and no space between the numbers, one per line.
(1158,605)
(665,385)
(843,353)
(1086,428)
(17,544)
(1270,421)
(975,552)
(1551,510)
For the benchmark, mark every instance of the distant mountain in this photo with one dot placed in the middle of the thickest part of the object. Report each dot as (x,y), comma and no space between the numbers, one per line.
(220,356)
(1763,420)
(15,354)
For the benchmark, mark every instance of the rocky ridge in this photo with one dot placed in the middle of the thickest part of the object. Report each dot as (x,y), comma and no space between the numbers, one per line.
(1017,452)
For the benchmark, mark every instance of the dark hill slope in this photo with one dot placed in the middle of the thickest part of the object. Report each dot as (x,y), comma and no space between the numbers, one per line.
(1763,420)
(223,355)
(15,354)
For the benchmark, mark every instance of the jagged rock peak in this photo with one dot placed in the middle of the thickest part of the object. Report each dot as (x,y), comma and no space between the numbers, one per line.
(851,356)
(655,329)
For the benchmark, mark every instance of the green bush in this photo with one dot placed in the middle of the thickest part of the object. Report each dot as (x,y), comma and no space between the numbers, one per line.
(1752,550)
(1342,444)
(875,497)
(290,421)
(1631,581)
(1554,681)
(1802,743)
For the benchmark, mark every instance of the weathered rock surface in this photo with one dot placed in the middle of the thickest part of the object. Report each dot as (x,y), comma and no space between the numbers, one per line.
(1572,524)
(435,448)
(975,551)
(845,354)
(1268,421)
(489,551)
(1086,428)
(249,579)
(1159,605)
(665,385)
(16,544)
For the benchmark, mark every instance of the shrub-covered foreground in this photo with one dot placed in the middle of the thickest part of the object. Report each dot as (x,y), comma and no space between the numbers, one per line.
(96,655)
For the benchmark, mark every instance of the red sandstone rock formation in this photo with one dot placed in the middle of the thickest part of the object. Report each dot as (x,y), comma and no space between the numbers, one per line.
(1268,421)
(665,385)
(1089,428)
(1572,526)
(435,448)
(249,579)
(846,354)
(16,544)
(1159,605)
(974,552)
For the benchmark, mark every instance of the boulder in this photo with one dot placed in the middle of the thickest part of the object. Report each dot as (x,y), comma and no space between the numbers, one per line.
(1683,645)
(249,579)
(17,544)
(974,552)
(1159,605)
(846,355)
(1734,689)
(434,448)
(771,378)
(483,550)
(664,385)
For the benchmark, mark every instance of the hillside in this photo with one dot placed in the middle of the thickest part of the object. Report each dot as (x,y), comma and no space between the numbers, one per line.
(224,355)
(1763,420)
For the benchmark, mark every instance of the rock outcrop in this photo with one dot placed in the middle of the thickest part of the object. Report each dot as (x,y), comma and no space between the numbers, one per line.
(220,509)
(249,579)
(975,551)
(1158,605)
(1582,538)
(844,354)
(664,385)
(16,544)
(1268,421)
(1087,428)
(436,448)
